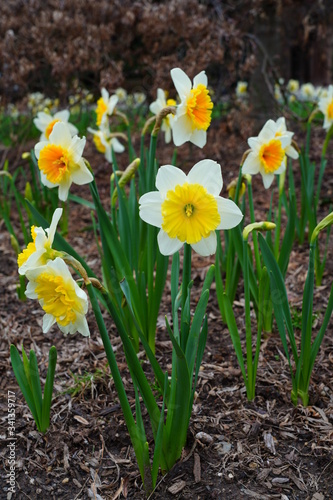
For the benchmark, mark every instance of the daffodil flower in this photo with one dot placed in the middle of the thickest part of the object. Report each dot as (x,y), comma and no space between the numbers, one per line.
(157,106)
(268,152)
(104,142)
(39,250)
(105,106)
(325,105)
(194,112)
(62,300)
(307,92)
(60,160)
(188,208)
(241,89)
(45,123)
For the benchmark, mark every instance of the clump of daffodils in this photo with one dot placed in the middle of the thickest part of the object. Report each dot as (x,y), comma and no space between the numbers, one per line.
(194,113)
(189,208)
(60,160)
(268,152)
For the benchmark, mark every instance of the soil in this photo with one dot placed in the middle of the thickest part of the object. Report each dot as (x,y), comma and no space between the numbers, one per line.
(236,449)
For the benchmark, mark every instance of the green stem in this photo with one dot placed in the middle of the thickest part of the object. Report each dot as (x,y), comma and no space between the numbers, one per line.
(186,272)
(129,419)
(249,382)
(278,230)
(254,234)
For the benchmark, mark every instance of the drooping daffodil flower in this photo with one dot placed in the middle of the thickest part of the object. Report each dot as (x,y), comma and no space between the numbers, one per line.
(62,300)
(39,250)
(105,106)
(188,208)
(105,142)
(157,106)
(60,160)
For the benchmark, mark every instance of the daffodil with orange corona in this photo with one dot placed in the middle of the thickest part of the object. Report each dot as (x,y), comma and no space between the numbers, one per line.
(60,160)
(267,155)
(194,113)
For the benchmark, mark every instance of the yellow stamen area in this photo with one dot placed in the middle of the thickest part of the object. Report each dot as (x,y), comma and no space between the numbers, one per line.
(50,126)
(199,107)
(271,155)
(100,110)
(330,111)
(189,213)
(58,298)
(54,162)
(31,248)
(98,143)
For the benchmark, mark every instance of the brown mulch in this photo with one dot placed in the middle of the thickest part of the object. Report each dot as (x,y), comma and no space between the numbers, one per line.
(235,449)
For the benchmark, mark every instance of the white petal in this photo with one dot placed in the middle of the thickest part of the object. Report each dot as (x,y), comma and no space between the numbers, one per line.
(254,143)
(39,146)
(181,81)
(200,78)
(76,147)
(281,124)
(267,180)
(73,130)
(48,321)
(268,131)
(230,213)
(291,151)
(199,138)
(167,245)
(150,208)
(181,130)
(168,177)
(62,115)
(30,290)
(31,263)
(82,326)
(105,95)
(42,120)
(206,246)
(61,135)
(81,175)
(112,104)
(251,164)
(63,190)
(53,227)
(117,146)
(208,174)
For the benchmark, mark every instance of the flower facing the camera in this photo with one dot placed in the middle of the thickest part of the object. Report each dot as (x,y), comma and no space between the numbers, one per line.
(194,112)
(60,160)
(45,123)
(157,106)
(267,154)
(241,89)
(105,106)
(188,208)
(62,300)
(325,105)
(39,250)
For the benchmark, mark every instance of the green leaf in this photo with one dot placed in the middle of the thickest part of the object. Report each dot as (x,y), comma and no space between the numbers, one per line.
(234,333)
(22,381)
(48,389)
(36,385)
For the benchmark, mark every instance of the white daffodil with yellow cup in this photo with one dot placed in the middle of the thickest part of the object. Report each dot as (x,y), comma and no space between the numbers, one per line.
(188,208)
